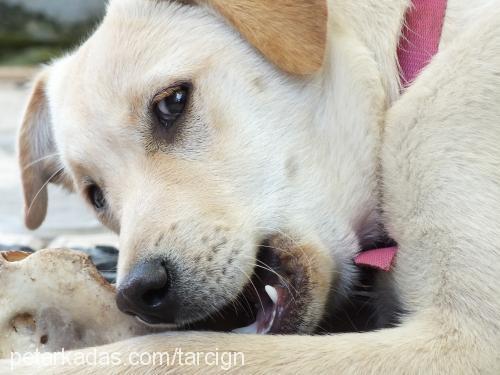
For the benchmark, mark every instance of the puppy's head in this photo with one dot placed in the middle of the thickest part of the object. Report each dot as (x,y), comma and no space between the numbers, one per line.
(184,128)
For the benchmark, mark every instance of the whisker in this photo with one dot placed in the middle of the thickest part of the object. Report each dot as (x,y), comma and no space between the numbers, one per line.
(29,165)
(43,186)
(254,287)
(285,281)
(293,240)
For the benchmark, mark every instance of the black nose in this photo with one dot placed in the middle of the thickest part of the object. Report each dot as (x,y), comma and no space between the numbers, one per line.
(145,292)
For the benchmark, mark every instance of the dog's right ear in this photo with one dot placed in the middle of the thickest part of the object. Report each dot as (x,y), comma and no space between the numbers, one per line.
(37,155)
(289,33)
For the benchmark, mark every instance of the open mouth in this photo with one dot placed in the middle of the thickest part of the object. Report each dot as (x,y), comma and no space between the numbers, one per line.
(272,301)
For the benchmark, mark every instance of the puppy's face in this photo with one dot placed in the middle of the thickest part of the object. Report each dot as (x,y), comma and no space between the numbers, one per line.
(191,145)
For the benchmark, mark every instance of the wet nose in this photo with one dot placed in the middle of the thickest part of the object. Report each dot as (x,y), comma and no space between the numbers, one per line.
(145,292)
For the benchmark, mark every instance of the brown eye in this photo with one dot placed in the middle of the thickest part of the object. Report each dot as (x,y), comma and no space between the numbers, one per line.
(170,105)
(96,197)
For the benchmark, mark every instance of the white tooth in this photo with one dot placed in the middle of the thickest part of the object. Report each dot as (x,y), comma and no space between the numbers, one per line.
(272,293)
(252,328)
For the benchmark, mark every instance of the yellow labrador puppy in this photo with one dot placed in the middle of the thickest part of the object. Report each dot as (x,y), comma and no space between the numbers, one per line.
(247,150)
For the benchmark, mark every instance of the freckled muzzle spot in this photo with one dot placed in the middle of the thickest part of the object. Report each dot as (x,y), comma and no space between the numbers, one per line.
(159,240)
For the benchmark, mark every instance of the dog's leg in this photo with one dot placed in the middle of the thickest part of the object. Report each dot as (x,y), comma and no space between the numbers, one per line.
(430,343)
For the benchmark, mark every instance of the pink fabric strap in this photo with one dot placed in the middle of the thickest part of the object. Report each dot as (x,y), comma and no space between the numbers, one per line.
(381,259)
(420,37)
(419,43)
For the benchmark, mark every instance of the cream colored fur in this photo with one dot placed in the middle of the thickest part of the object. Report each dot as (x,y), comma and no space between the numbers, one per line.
(303,155)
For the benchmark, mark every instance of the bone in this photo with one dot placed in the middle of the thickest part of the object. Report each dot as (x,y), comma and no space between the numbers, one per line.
(56,299)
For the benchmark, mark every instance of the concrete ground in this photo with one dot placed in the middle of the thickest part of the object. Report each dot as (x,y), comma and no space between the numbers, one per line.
(69,223)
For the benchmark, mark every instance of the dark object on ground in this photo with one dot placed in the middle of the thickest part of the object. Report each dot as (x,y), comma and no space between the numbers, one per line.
(105,259)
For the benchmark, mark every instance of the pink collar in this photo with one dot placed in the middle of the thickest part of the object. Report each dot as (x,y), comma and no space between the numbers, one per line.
(419,43)
(420,37)
(380,259)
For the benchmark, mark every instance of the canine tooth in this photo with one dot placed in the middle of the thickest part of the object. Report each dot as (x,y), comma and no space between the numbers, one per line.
(252,328)
(272,293)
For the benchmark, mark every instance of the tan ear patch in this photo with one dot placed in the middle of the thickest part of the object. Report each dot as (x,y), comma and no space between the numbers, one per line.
(38,158)
(35,193)
(290,33)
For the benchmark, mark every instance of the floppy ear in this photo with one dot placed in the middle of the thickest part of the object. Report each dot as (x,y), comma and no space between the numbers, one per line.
(37,155)
(290,33)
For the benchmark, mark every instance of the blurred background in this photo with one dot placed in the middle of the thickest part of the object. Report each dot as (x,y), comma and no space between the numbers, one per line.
(33,32)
